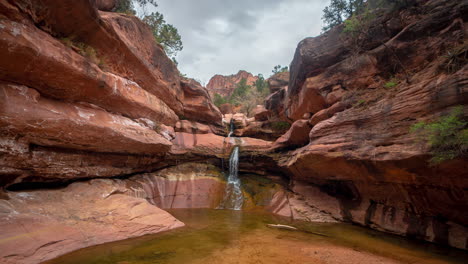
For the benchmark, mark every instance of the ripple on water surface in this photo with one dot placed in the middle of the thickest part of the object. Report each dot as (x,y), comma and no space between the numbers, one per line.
(225,236)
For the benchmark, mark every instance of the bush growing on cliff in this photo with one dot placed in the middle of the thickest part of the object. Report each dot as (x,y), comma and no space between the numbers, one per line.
(447,136)
(165,34)
(218,100)
(84,50)
(279,68)
(245,96)
(340,10)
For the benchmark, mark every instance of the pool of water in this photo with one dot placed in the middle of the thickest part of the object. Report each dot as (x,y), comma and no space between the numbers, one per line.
(226,236)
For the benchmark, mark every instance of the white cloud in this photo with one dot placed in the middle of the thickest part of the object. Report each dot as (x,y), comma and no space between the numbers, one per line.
(222,37)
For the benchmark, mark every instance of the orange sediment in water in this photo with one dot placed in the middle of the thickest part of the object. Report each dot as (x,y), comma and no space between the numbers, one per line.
(225,236)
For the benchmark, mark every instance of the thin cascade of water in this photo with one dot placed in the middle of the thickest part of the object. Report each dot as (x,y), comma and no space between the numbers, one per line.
(233,197)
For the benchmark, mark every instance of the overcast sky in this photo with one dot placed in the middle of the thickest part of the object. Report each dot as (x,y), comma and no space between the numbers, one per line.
(225,36)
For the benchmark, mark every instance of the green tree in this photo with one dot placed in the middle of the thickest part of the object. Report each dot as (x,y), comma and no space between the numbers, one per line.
(261,84)
(165,34)
(240,90)
(339,10)
(279,68)
(219,100)
(124,6)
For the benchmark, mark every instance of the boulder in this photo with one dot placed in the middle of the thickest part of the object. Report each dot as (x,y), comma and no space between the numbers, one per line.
(240,120)
(276,103)
(198,105)
(297,135)
(278,81)
(261,113)
(105,5)
(327,113)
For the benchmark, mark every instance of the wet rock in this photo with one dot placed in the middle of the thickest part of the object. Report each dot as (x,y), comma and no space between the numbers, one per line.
(189,185)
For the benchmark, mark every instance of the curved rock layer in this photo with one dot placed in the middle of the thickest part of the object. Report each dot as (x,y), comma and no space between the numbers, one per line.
(360,153)
(40,225)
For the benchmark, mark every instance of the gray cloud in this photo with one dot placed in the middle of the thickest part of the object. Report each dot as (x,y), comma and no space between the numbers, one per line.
(222,36)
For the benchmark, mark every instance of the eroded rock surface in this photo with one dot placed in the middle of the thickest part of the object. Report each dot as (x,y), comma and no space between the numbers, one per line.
(225,85)
(40,225)
(360,153)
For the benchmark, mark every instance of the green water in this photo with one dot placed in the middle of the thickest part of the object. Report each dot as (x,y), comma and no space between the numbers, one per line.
(225,236)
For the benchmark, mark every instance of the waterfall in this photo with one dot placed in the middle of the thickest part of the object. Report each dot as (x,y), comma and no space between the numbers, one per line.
(233,198)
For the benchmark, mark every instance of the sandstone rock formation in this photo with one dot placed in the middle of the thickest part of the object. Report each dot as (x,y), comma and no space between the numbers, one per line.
(40,225)
(278,81)
(86,94)
(224,85)
(198,105)
(360,151)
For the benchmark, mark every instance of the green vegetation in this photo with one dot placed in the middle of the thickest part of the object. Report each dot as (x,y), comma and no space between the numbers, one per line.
(280,125)
(360,103)
(219,100)
(261,84)
(84,50)
(339,10)
(358,24)
(392,83)
(279,68)
(244,95)
(165,34)
(447,136)
(456,58)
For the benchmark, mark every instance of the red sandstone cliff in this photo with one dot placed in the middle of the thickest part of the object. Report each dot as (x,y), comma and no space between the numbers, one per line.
(355,156)
(225,85)
(86,94)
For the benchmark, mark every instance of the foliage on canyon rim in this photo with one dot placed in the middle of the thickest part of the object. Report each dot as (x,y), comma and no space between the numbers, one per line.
(338,11)
(447,136)
(279,68)
(244,95)
(84,50)
(165,34)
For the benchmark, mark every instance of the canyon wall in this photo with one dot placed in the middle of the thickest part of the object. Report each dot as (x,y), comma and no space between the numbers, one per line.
(351,133)
(92,109)
(225,85)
